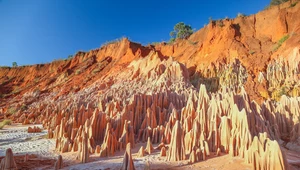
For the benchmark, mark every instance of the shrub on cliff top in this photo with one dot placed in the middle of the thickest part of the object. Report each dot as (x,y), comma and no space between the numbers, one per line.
(277,2)
(14,64)
(181,31)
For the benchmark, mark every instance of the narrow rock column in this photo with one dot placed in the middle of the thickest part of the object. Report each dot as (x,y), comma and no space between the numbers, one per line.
(8,162)
(149,147)
(84,150)
(58,163)
(127,161)
(176,150)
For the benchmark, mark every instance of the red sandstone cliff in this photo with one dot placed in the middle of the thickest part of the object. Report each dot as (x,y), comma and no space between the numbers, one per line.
(215,92)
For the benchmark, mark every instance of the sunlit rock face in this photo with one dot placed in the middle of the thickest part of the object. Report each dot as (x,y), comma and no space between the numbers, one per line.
(227,92)
(154,102)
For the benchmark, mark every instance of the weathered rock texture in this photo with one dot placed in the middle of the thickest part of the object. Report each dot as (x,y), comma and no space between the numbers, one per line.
(127,160)
(58,163)
(176,150)
(8,162)
(34,129)
(225,90)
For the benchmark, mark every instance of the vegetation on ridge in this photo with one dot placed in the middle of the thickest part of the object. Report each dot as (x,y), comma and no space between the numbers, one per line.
(277,2)
(5,122)
(14,64)
(181,31)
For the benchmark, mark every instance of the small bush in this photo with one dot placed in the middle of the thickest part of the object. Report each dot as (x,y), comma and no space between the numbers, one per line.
(172,40)
(4,67)
(36,80)
(95,71)
(277,2)
(220,23)
(80,54)
(77,72)
(113,41)
(24,107)
(251,52)
(210,19)
(241,15)
(155,43)
(267,7)
(12,110)
(181,31)
(282,91)
(283,39)
(58,60)
(193,43)
(280,42)
(293,4)
(14,64)
(5,122)
(16,90)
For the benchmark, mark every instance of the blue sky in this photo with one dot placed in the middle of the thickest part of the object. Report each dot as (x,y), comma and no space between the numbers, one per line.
(40,31)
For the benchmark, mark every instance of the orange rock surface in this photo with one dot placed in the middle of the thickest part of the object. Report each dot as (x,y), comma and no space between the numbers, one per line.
(225,90)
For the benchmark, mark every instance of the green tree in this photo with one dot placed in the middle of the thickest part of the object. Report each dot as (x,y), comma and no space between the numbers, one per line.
(181,31)
(14,64)
(277,2)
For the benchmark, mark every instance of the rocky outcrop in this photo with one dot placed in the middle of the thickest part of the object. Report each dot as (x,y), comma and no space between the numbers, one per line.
(265,154)
(34,129)
(59,163)
(193,123)
(127,135)
(193,99)
(127,160)
(163,152)
(8,161)
(149,148)
(110,144)
(192,158)
(141,152)
(83,152)
(176,149)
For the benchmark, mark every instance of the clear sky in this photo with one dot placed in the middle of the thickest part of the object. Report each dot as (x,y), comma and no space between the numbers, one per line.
(40,31)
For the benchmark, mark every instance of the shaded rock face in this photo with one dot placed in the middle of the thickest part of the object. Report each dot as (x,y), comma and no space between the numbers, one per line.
(8,162)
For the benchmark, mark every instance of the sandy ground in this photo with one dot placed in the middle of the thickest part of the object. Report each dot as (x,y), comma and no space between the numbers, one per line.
(154,161)
(42,149)
(293,159)
(21,142)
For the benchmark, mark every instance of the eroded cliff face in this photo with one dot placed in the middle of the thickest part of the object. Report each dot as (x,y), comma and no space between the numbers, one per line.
(231,88)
